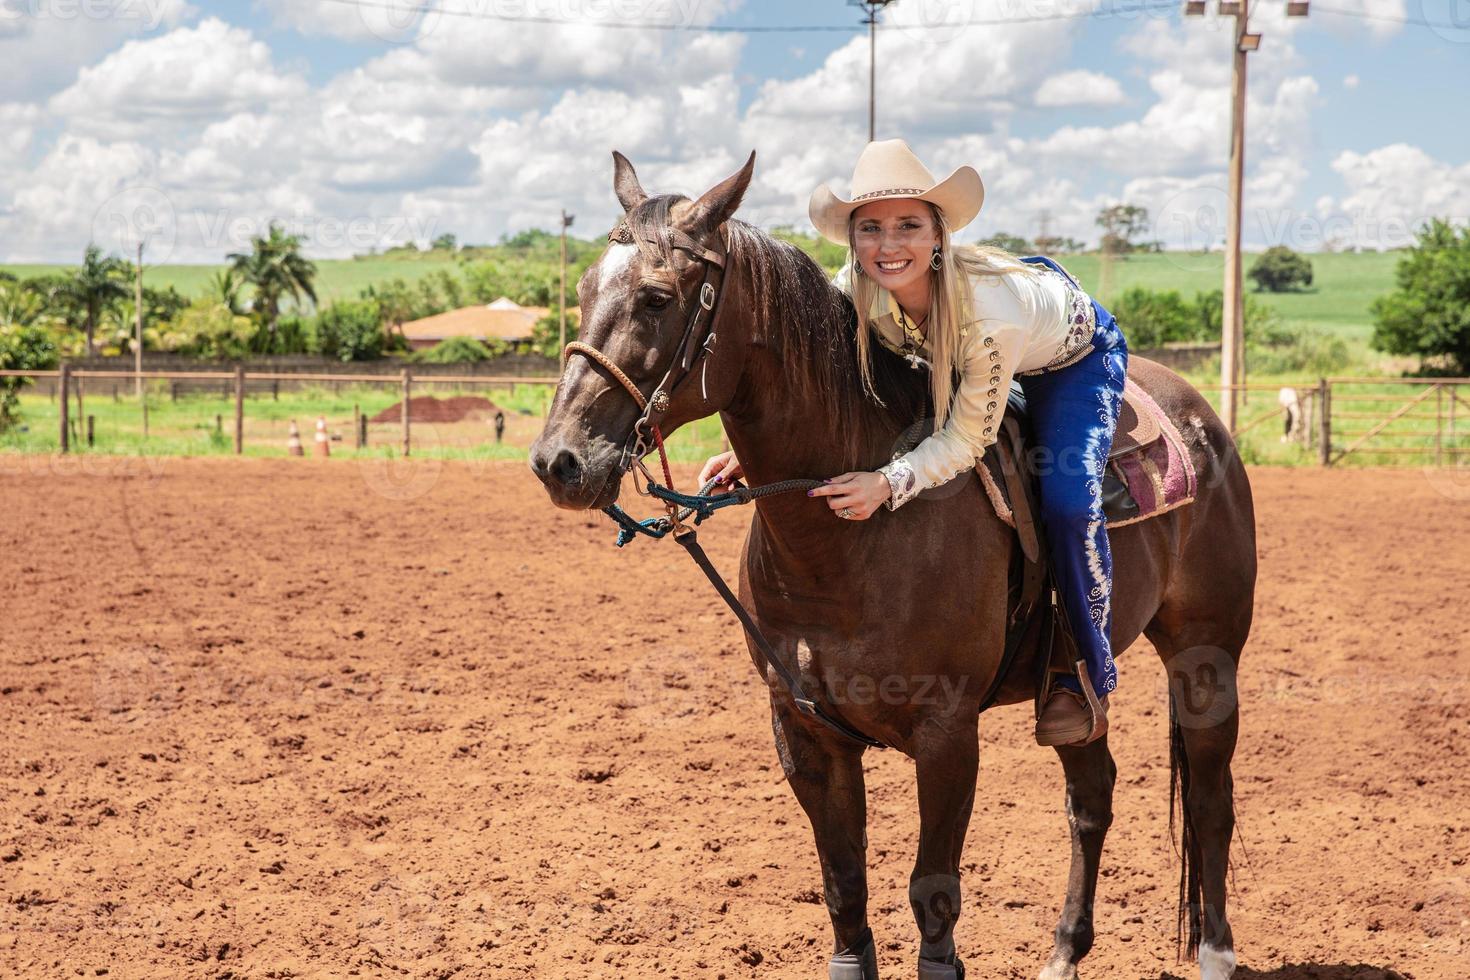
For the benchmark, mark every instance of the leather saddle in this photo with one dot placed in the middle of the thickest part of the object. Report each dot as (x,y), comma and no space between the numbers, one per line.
(1137,428)
(1037,626)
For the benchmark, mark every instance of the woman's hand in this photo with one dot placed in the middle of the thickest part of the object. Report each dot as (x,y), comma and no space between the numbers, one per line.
(725,466)
(860,493)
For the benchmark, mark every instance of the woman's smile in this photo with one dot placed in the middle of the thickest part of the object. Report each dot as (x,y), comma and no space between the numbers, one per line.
(892,241)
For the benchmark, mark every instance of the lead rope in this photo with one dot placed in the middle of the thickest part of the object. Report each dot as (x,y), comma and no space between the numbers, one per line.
(702,505)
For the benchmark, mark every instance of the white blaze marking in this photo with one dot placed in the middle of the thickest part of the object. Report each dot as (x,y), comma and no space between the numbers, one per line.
(614,261)
(1216,964)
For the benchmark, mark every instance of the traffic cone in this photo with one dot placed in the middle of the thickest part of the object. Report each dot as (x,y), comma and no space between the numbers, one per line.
(293,443)
(323,446)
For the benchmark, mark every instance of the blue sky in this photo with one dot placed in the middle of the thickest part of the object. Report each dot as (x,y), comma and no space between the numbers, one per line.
(205,120)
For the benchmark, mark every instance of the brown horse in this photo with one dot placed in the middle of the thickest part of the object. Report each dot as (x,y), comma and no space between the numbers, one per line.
(895,624)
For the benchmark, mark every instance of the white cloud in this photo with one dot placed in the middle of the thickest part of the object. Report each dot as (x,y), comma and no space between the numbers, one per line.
(1350,82)
(396,21)
(1080,88)
(477,127)
(42,46)
(57,204)
(1391,192)
(415,21)
(1377,18)
(18,125)
(191,73)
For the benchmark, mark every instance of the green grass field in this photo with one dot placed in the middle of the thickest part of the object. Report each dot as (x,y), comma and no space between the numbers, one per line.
(1345,284)
(336,278)
(203,424)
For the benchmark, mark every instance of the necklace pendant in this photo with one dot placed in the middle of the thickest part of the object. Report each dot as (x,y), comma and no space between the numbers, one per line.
(914,361)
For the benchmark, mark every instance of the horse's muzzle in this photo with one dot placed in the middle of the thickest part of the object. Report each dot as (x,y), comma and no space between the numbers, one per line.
(575,478)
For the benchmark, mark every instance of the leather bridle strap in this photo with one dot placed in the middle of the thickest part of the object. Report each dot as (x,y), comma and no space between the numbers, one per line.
(691,350)
(577,347)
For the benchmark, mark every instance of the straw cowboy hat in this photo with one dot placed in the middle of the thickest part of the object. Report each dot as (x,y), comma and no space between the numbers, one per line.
(889,169)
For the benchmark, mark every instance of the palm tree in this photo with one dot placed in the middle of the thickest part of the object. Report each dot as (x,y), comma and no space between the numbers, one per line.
(224,288)
(19,307)
(276,268)
(97,284)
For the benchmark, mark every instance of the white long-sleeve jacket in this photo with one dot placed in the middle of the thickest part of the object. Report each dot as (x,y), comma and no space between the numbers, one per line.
(1027,320)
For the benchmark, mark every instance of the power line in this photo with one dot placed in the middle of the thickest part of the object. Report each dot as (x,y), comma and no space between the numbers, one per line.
(438,9)
(1319,8)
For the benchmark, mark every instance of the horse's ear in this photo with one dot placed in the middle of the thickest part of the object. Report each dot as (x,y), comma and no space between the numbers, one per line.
(625,183)
(721,201)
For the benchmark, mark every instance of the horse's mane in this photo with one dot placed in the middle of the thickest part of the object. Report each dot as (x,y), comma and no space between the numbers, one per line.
(811,327)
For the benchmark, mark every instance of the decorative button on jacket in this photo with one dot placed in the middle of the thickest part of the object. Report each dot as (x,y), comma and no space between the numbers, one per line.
(1027,320)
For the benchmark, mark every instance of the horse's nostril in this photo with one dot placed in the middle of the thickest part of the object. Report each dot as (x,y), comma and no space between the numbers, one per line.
(538,464)
(566,468)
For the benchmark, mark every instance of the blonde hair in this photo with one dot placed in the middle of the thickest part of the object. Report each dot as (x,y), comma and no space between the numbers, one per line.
(952,306)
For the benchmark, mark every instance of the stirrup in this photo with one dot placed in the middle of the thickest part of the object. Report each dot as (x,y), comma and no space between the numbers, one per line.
(1096,710)
(860,965)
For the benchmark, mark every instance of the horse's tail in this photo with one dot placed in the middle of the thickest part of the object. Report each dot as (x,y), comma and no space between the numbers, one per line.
(1191,886)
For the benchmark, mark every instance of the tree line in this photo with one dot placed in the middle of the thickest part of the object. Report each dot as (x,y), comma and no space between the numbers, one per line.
(265,301)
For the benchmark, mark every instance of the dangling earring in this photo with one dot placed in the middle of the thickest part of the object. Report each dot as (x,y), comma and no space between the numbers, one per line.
(936,260)
(857,269)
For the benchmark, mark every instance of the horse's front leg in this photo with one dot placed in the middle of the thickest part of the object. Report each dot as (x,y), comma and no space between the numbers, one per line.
(1090,776)
(825,771)
(946,756)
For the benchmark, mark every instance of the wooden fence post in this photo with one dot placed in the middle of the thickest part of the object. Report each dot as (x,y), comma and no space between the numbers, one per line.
(1324,441)
(407,394)
(91,425)
(239,409)
(1439,425)
(357,424)
(63,385)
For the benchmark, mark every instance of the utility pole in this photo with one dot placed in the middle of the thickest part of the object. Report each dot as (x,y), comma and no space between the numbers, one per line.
(871,7)
(1232,321)
(566,222)
(138,324)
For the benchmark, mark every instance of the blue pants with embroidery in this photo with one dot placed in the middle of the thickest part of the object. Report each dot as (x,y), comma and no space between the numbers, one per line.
(1074,411)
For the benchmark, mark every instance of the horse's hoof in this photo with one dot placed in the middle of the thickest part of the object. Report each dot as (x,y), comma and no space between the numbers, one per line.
(1216,964)
(935,970)
(1059,970)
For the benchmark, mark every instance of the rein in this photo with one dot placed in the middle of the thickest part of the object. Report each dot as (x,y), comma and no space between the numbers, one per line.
(680,507)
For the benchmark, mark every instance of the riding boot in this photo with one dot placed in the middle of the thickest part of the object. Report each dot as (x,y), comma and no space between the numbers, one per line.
(859,965)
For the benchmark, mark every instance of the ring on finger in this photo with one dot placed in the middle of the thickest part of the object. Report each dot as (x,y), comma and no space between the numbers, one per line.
(846,513)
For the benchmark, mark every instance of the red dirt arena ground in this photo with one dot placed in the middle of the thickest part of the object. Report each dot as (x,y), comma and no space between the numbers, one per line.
(275,719)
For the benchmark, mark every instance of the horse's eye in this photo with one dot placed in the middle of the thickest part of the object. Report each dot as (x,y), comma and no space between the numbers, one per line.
(657,301)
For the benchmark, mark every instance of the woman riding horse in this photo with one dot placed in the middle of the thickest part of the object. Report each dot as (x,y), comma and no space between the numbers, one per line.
(982,316)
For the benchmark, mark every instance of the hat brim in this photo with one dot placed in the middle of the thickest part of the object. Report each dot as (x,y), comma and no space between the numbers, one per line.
(959,196)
